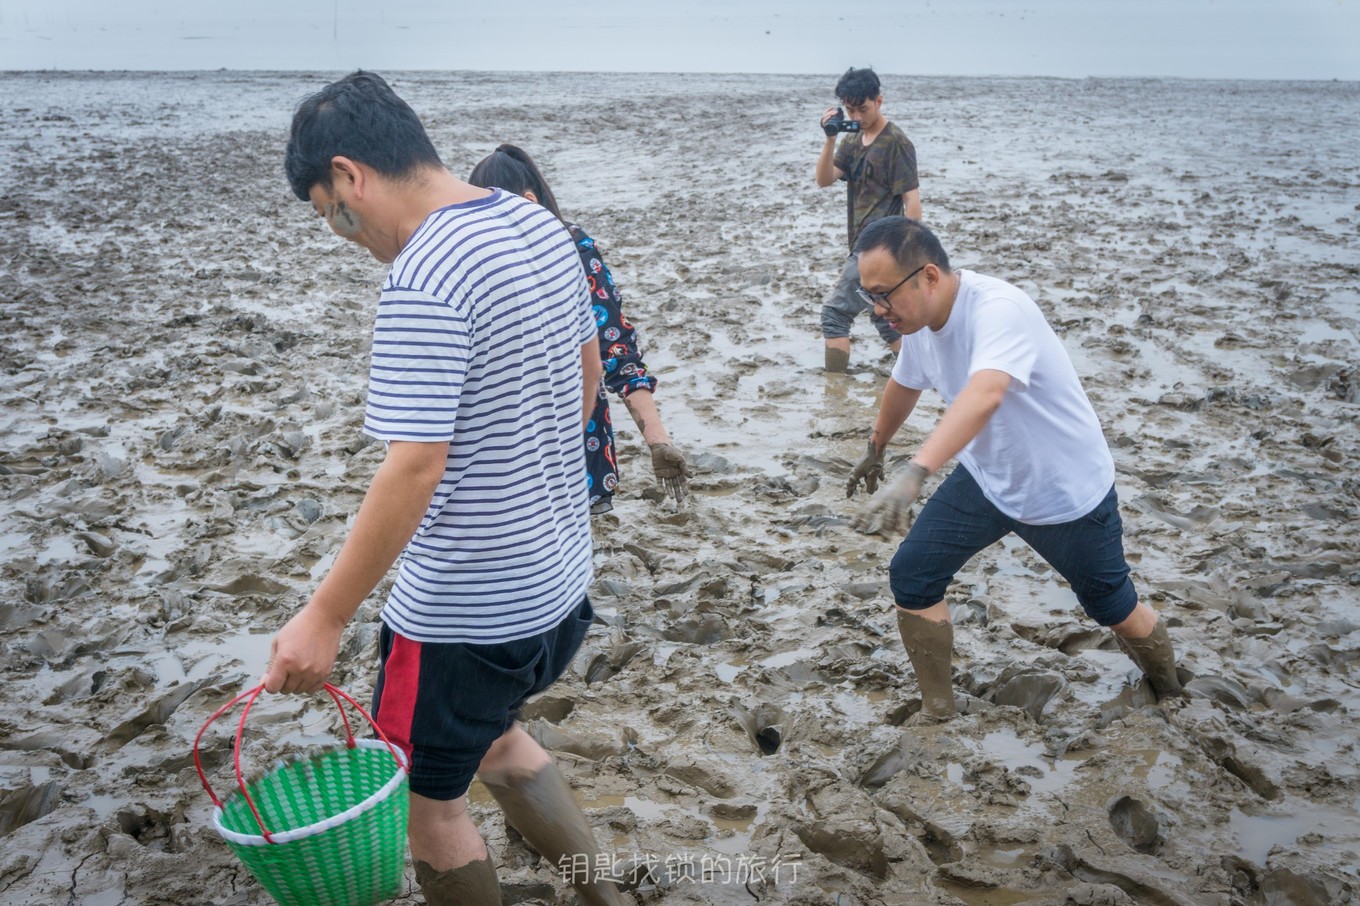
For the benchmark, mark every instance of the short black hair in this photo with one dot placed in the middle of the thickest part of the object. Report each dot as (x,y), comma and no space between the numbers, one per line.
(858,86)
(910,242)
(359,117)
(511,168)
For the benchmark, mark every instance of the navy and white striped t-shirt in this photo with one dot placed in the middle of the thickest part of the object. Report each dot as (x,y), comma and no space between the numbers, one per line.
(478,342)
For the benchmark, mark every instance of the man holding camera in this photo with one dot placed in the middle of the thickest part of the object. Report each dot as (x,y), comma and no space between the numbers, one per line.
(878,163)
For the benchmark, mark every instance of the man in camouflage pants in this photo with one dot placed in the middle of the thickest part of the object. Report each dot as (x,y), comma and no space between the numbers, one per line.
(878,165)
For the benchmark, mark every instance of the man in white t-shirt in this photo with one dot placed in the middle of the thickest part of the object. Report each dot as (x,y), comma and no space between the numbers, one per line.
(1031,455)
(485,358)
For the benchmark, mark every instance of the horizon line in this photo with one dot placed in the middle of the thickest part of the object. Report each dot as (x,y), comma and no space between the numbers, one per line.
(673,72)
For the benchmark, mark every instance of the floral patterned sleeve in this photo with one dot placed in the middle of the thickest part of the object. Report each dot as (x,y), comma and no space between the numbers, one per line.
(624,370)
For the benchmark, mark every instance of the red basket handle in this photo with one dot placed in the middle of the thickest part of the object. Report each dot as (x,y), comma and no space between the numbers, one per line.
(251,695)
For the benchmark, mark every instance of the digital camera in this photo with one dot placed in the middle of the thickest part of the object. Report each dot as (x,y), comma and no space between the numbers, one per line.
(839,123)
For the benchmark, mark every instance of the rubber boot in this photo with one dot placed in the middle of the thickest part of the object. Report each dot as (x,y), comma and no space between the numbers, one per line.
(473,884)
(930,647)
(540,805)
(1155,657)
(837,360)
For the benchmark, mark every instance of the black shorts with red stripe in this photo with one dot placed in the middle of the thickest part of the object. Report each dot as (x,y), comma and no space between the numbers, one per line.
(444,704)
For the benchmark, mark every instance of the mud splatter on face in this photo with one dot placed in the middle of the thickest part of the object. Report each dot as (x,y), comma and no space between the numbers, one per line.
(343,220)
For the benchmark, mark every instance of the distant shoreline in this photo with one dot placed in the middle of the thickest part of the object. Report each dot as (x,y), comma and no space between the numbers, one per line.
(538,73)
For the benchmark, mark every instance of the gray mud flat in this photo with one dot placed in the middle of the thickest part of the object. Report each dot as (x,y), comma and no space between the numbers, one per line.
(182,351)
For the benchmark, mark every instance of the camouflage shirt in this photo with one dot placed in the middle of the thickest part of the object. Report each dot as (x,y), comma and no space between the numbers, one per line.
(877,176)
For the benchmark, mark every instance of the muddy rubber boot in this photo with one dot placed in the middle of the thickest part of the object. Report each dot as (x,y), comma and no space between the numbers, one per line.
(930,648)
(542,808)
(837,360)
(1155,657)
(473,884)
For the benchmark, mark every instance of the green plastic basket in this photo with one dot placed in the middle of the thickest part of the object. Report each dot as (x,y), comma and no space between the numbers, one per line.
(324,830)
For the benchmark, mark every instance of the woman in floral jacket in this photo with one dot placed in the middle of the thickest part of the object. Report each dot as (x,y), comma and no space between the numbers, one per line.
(511,169)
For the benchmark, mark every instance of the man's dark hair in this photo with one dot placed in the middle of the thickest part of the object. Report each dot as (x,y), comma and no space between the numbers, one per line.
(512,169)
(858,86)
(359,117)
(910,242)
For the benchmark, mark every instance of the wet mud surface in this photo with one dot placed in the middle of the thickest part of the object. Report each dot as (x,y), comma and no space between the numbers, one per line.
(182,352)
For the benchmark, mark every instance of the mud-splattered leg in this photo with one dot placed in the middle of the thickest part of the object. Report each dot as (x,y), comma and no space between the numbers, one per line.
(474,884)
(1155,657)
(540,805)
(930,647)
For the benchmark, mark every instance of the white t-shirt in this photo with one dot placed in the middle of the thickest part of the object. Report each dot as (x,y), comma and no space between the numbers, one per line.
(478,342)
(1042,458)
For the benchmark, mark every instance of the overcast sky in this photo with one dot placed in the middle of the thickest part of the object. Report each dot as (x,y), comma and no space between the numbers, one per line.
(1271,39)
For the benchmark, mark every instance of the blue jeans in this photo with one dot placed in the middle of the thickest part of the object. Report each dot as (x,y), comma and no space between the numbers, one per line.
(958,521)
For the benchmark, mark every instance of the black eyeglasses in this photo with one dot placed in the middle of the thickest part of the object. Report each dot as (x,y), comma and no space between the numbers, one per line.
(882,298)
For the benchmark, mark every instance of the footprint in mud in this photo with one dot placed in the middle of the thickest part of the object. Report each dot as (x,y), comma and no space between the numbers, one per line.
(733,812)
(1224,753)
(171,437)
(155,830)
(1140,890)
(250,585)
(795,669)
(1069,638)
(970,612)
(607,664)
(554,740)
(941,843)
(708,778)
(971,873)
(765,725)
(1288,887)
(100,545)
(552,708)
(848,842)
(1129,699)
(706,629)
(186,565)
(108,467)
(292,443)
(48,645)
(1332,658)
(900,713)
(79,685)
(158,712)
(1284,703)
(889,764)
(865,591)
(15,616)
(42,591)
(1136,825)
(28,803)
(1224,691)
(1030,693)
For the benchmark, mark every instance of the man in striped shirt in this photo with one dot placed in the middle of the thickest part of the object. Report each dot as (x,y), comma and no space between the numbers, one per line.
(485,359)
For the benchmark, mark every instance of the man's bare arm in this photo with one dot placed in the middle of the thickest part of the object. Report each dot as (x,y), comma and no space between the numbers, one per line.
(303,653)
